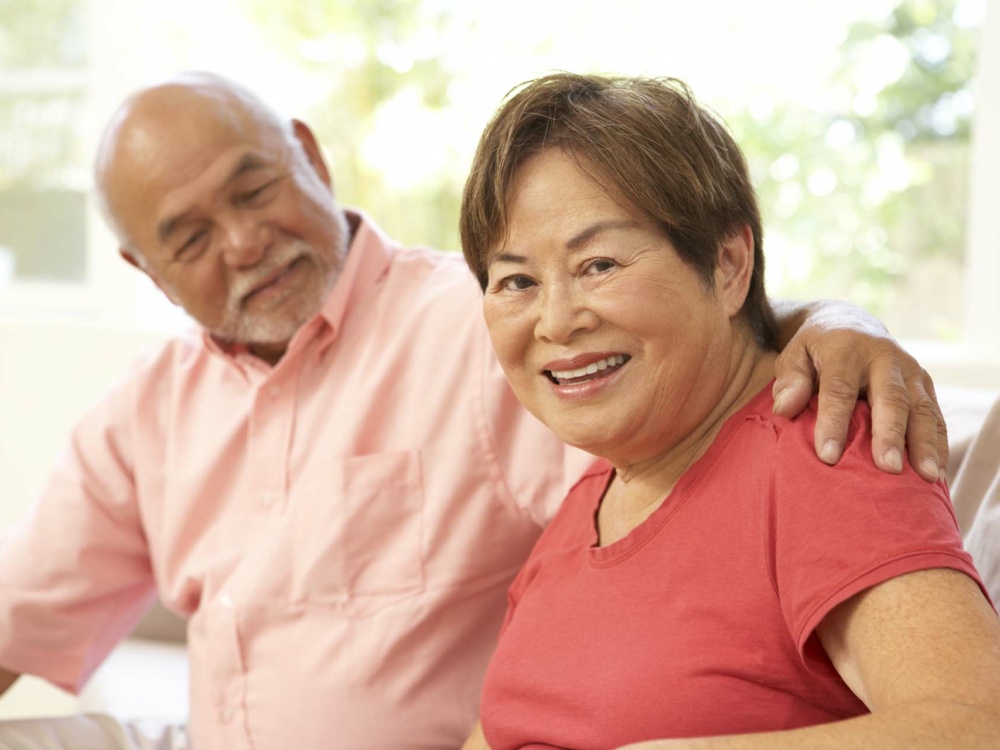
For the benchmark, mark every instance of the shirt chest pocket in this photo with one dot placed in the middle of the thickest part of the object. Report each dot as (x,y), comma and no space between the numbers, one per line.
(365,534)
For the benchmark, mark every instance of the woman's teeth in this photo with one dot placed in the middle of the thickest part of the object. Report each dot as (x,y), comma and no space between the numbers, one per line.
(614,361)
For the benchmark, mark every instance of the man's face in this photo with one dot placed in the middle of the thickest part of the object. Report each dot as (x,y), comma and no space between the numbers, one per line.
(238,226)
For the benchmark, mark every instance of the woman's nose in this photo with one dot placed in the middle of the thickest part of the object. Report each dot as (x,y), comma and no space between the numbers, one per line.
(563,313)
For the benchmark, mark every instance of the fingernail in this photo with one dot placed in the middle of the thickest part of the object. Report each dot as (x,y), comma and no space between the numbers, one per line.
(893,459)
(830,453)
(930,468)
(779,399)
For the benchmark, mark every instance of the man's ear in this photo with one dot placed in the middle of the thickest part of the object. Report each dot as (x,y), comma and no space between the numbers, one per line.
(735,268)
(133,261)
(313,152)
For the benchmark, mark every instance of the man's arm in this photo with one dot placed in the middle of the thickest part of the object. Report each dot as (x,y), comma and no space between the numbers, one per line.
(850,352)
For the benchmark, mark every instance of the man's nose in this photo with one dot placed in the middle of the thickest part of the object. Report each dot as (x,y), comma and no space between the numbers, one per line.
(246,242)
(563,312)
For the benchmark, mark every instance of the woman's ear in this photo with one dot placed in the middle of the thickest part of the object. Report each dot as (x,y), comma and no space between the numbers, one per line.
(735,269)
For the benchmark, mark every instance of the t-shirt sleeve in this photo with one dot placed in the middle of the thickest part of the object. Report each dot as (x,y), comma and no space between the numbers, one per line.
(834,531)
(75,574)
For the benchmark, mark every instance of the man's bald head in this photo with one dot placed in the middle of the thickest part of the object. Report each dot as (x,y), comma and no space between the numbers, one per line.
(153,126)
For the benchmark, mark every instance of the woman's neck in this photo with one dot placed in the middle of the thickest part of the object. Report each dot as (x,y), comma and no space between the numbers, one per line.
(640,488)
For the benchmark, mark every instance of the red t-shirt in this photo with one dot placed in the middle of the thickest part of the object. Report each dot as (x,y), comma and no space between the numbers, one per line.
(701,620)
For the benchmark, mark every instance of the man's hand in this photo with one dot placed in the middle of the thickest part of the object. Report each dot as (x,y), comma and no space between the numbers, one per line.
(850,352)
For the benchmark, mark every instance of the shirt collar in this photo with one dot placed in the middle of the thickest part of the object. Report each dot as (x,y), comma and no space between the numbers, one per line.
(367,259)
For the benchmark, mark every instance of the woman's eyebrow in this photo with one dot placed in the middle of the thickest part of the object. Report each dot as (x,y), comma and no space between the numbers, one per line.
(509,258)
(578,240)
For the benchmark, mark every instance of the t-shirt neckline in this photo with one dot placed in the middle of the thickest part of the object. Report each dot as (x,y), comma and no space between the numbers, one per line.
(629,544)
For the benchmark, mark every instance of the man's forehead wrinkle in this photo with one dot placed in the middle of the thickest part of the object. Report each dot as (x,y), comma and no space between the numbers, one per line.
(224,171)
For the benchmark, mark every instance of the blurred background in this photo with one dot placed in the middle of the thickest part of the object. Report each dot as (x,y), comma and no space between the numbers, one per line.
(866,124)
(856,117)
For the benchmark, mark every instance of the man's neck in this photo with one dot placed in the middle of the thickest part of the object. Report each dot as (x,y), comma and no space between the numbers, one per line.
(270,353)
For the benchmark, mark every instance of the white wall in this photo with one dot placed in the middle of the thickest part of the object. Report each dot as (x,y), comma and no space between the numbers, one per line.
(49,373)
(983,252)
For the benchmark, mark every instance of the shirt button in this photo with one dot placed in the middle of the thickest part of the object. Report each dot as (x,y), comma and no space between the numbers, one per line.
(274,391)
(226,715)
(267,499)
(226,602)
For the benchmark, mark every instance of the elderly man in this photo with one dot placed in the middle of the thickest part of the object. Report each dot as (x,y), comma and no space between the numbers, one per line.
(331,480)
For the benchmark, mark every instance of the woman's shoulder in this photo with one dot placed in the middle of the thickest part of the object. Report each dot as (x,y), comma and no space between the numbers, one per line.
(796,435)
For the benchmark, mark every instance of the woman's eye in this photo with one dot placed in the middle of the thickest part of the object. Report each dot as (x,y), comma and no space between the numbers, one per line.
(517,283)
(600,266)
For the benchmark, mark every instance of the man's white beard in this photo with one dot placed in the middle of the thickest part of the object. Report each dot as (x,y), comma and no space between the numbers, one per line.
(278,325)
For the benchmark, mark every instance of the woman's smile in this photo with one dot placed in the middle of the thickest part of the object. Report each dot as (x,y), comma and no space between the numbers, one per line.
(585,377)
(582,369)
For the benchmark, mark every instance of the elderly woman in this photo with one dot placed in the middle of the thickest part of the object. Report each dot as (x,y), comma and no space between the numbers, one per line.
(710,577)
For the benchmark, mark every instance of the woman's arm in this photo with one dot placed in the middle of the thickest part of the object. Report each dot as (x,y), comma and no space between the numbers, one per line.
(922,651)
(850,352)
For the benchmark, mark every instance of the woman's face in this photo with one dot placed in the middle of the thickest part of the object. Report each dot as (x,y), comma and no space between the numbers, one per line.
(605,334)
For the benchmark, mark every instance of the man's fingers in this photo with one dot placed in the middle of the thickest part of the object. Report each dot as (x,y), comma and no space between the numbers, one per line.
(847,352)
(926,434)
(890,404)
(839,384)
(944,454)
(905,409)
(838,392)
(794,381)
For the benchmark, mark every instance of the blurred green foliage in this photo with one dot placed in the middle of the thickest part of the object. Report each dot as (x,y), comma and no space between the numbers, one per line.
(42,56)
(856,192)
(878,180)
(42,33)
(368,52)
(42,94)
(853,192)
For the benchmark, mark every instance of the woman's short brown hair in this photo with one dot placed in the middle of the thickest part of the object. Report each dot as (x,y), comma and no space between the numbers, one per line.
(647,142)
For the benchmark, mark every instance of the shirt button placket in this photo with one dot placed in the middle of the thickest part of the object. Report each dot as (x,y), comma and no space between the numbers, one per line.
(231,676)
(274,417)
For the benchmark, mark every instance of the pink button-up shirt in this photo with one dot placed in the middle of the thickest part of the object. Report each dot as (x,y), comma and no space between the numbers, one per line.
(341,528)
